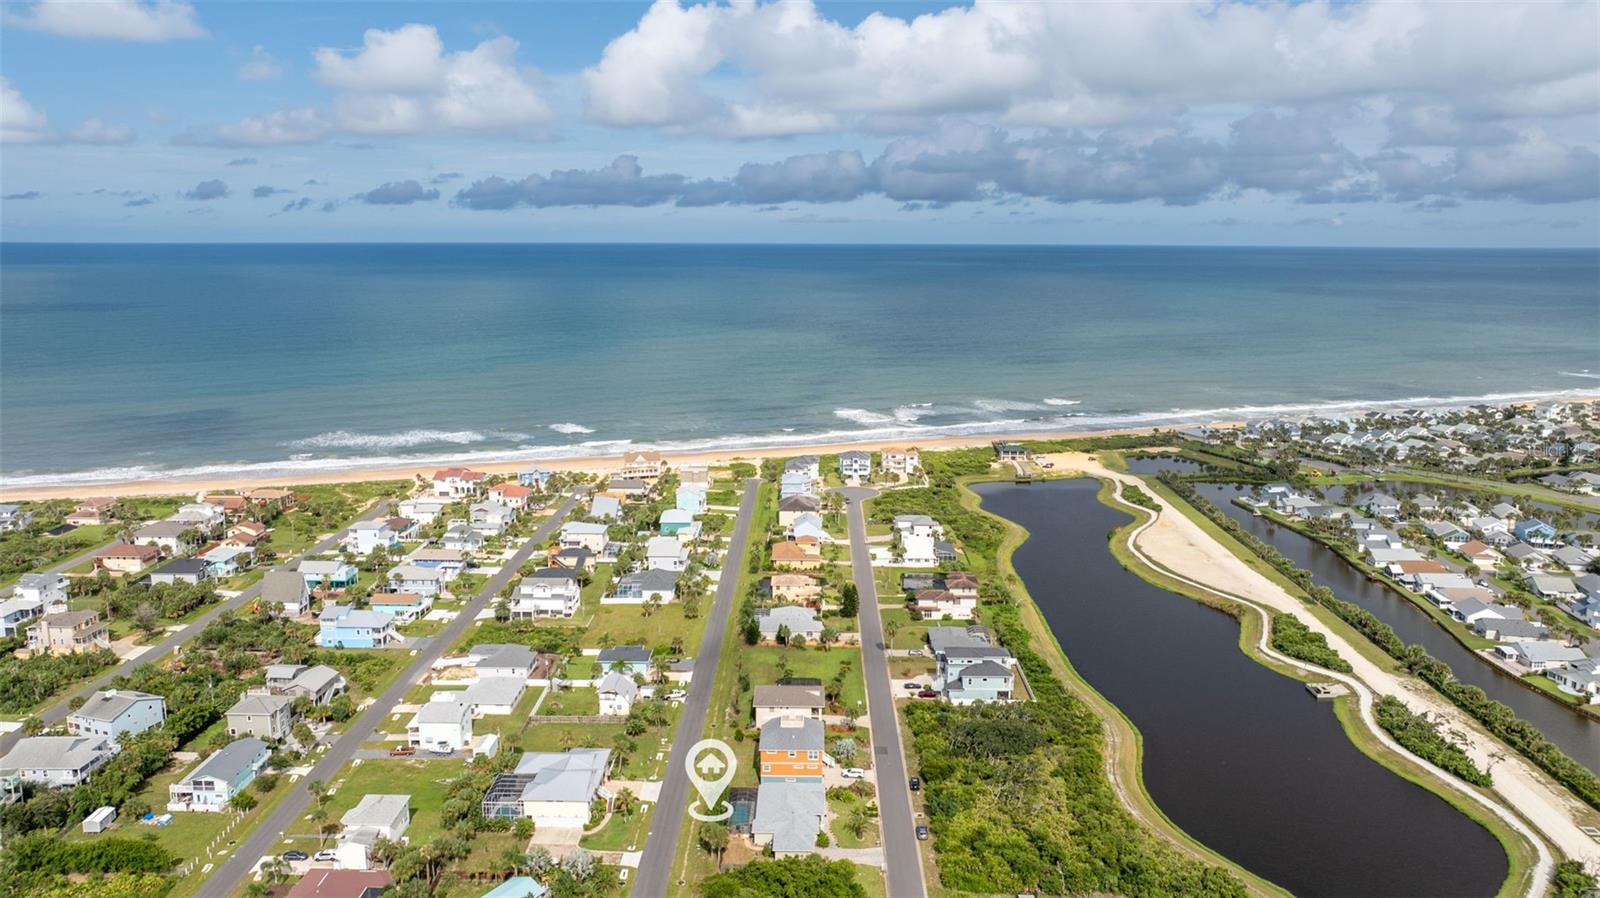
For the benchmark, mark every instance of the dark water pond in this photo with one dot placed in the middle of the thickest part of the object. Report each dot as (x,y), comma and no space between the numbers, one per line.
(1241,758)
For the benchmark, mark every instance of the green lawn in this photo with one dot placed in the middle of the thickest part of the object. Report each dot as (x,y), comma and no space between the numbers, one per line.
(631,625)
(621,833)
(571,702)
(842,804)
(763,664)
(423,780)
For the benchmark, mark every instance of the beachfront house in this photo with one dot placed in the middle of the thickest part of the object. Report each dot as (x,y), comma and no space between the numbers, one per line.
(346,627)
(211,785)
(112,712)
(855,465)
(645,465)
(14,517)
(535,478)
(457,483)
(547,592)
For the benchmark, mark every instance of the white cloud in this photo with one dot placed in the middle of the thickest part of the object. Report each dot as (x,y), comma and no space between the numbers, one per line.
(746,68)
(404,82)
(93,130)
(21,122)
(261,67)
(126,20)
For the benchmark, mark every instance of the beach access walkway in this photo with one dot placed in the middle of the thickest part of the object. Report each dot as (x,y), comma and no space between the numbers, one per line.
(255,846)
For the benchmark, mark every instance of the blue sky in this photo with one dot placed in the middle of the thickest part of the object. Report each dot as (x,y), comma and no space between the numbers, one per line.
(1351,124)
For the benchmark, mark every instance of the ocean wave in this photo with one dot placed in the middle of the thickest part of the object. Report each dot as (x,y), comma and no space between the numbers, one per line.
(569,427)
(344,439)
(1054,401)
(1588,374)
(1006,405)
(862,416)
(880,428)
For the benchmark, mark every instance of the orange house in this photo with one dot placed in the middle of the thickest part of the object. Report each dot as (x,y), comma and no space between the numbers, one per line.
(791,750)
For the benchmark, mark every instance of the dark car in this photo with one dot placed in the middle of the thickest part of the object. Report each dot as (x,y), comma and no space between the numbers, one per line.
(928,693)
(913,685)
(296,856)
(916,784)
(922,833)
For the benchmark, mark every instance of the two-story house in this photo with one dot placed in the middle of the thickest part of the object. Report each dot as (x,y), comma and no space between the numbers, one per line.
(343,626)
(112,712)
(213,783)
(265,715)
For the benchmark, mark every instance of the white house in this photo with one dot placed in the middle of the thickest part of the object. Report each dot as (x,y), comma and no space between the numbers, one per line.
(798,619)
(553,789)
(364,536)
(492,696)
(112,712)
(15,614)
(374,817)
(457,483)
(286,588)
(606,508)
(666,553)
(48,589)
(617,693)
(491,518)
(493,659)
(414,578)
(918,551)
(917,525)
(547,592)
(461,536)
(583,535)
(423,509)
(442,727)
(855,465)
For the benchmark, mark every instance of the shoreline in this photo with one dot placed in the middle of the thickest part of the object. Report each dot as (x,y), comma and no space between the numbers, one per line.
(605,463)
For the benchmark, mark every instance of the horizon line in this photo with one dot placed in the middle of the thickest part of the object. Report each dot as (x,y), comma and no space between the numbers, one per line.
(819,244)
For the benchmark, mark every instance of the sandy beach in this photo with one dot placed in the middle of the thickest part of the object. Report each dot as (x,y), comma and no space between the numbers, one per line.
(603,464)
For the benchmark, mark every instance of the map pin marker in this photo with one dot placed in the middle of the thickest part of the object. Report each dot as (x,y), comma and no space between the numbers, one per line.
(710,765)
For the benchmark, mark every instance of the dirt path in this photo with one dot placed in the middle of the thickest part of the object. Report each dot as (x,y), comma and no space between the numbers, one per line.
(1179,545)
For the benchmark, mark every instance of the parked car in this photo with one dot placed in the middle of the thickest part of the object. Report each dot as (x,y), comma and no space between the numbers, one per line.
(325,854)
(915,653)
(928,693)
(296,856)
(922,833)
(677,694)
(852,773)
(913,685)
(916,784)
(404,751)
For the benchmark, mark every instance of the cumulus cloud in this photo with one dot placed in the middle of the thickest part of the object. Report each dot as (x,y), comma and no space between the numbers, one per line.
(304,202)
(126,20)
(207,190)
(404,82)
(397,193)
(29,195)
(749,69)
(265,190)
(22,122)
(262,66)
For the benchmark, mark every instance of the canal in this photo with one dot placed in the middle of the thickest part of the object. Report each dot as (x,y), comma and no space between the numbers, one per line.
(1241,758)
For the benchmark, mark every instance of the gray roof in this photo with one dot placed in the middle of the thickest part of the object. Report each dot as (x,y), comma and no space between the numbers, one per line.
(54,752)
(792,812)
(631,654)
(976,651)
(944,638)
(652,580)
(182,566)
(572,775)
(494,691)
(321,568)
(803,734)
(620,683)
(441,712)
(108,704)
(799,502)
(376,810)
(798,618)
(259,704)
(554,573)
(1546,652)
(776,696)
(1508,629)
(161,530)
(230,763)
(316,678)
(502,654)
(984,669)
(283,587)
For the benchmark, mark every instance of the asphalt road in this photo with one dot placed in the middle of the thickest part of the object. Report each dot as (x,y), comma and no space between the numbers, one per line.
(266,833)
(902,857)
(174,639)
(655,865)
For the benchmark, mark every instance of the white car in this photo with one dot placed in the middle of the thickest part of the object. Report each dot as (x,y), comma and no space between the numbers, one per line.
(325,854)
(676,695)
(853,773)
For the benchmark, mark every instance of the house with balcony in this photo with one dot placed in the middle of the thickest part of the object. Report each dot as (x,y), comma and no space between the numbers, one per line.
(57,760)
(68,632)
(263,715)
(216,780)
(112,712)
(790,750)
(547,592)
(346,627)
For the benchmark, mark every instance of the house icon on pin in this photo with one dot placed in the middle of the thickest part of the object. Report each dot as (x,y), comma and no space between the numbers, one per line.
(710,765)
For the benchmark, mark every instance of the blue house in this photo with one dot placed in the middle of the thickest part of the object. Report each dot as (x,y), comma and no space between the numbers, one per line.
(674,520)
(691,499)
(355,628)
(537,478)
(1535,531)
(220,777)
(335,574)
(630,659)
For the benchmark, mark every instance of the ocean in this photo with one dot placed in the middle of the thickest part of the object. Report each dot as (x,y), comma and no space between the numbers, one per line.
(122,362)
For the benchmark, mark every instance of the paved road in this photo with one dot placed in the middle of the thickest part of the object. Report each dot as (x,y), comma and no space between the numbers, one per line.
(176,638)
(227,876)
(655,865)
(902,857)
(62,567)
